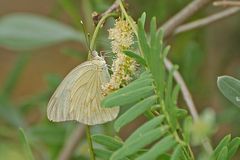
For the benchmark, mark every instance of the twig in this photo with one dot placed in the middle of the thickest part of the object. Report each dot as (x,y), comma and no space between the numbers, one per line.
(227,3)
(208,20)
(113,7)
(90,144)
(183,15)
(72,143)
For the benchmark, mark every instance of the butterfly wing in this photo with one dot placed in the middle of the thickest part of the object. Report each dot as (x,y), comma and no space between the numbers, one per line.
(79,95)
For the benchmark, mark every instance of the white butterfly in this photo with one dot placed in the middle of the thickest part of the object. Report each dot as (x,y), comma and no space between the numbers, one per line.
(79,95)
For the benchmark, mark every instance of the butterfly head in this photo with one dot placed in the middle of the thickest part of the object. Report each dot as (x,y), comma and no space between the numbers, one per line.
(95,56)
(98,59)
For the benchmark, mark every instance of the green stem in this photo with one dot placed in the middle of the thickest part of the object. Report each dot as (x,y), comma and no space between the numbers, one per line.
(190,150)
(187,151)
(128,18)
(89,140)
(186,148)
(100,23)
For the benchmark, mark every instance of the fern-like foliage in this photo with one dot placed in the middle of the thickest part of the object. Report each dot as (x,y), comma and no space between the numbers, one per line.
(154,95)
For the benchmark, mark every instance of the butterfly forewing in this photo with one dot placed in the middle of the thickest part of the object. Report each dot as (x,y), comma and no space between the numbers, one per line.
(79,95)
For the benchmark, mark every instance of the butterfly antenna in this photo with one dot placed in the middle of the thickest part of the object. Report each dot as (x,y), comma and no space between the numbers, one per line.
(106,52)
(87,36)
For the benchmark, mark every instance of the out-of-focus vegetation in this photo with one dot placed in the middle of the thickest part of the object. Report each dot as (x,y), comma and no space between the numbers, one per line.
(40,42)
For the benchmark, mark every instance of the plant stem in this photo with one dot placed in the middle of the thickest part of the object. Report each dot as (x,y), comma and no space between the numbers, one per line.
(207,20)
(100,23)
(89,139)
(177,138)
(190,150)
(128,18)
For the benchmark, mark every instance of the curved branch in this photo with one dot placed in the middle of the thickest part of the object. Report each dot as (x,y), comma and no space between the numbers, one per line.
(208,20)
(183,15)
(227,3)
(113,7)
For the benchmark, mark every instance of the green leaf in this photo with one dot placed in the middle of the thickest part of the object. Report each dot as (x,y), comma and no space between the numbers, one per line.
(158,149)
(127,98)
(148,126)
(138,58)
(102,154)
(105,154)
(224,142)
(144,80)
(156,65)
(187,128)
(178,154)
(166,51)
(149,115)
(153,30)
(175,93)
(138,143)
(181,112)
(169,86)
(25,144)
(143,41)
(139,83)
(164,157)
(28,31)
(143,18)
(230,87)
(146,74)
(223,155)
(233,147)
(170,102)
(134,112)
(107,141)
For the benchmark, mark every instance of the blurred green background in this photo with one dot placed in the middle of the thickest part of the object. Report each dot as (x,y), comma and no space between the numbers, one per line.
(29,76)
